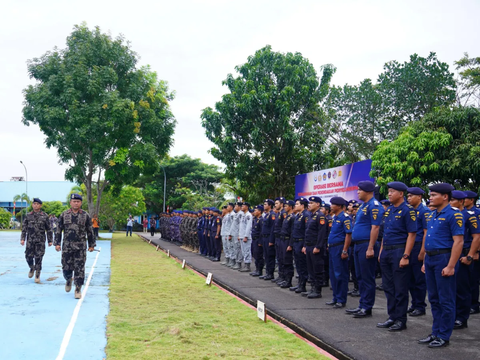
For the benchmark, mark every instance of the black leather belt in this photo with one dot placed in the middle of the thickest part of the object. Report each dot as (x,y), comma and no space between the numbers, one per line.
(297,240)
(265,235)
(285,237)
(336,244)
(360,242)
(309,244)
(438,252)
(393,247)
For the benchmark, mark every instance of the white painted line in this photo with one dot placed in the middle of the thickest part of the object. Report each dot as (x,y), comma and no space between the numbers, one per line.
(73,320)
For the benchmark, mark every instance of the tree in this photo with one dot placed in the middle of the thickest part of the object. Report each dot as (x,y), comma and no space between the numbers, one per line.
(5,217)
(359,117)
(106,117)
(21,198)
(115,208)
(469,81)
(183,172)
(262,128)
(442,147)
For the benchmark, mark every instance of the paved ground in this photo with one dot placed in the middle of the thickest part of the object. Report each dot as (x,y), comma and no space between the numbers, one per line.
(342,335)
(34,317)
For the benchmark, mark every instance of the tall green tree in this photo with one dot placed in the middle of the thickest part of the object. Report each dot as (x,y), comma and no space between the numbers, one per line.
(359,117)
(262,129)
(444,146)
(469,81)
(107,118)
(5,218)
(182,172)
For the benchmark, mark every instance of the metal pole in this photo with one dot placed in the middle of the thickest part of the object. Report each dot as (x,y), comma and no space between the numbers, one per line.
(26,182)
(164,187)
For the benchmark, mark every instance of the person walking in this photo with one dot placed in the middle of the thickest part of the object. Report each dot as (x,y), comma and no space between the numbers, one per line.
(95,225)
(153,225)
(129,224)
(145,225)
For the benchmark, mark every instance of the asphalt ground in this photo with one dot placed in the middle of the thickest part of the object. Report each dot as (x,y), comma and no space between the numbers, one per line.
(341,335)
(34,318)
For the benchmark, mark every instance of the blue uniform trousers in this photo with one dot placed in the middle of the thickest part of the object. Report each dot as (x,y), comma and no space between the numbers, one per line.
(338,274)
(365,271)
(213,250)
(475,285)
(208,245)
(286,259)
(418,285)
(464,291)
(269,255)
(441,294)
(279,253)
(300,262)
(218,246)
(257,253)
(395,283)
(201,241)
(315,266)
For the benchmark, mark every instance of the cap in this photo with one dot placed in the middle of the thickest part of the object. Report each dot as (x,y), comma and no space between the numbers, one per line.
(246,204)
(231,204)
(457,194)
(366,185)
(471,194)
(385,202)
(302,200)
(316,199)
(290,202)
(281,199)
(415,191)
(338,200)
(259,207)
(397,185)
(269,202)
(442,188)
(37,200)
(76,197)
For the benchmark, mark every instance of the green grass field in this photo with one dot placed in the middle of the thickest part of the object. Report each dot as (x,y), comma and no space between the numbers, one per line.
(159,311)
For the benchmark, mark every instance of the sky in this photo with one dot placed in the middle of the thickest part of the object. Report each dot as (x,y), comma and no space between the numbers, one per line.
(194,45)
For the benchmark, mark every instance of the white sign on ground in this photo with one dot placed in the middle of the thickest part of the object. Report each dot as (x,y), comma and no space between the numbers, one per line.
(261,311)
(168,253)
(183,264)
(209,279)
(157,247)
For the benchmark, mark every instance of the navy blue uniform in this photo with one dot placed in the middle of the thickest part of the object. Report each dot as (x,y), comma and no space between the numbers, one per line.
(286,240)
(298,235)
(476,274)
(341,226)
(257,249)
(465,276)
(268,237)
(277,229)
(207,235)
(418,285)
(316,236)
(201,238)
(217,239)
(399,222)
(442,226)
(369,214)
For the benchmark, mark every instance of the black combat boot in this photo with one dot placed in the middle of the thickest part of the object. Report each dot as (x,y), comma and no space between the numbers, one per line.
(315,293)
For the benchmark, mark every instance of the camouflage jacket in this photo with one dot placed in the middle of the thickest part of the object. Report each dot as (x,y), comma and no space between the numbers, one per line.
(75,227)
(35,225)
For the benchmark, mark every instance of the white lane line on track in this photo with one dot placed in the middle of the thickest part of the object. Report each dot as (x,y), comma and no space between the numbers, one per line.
(73,320)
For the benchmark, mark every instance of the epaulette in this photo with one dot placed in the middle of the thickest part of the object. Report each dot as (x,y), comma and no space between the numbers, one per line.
(454,208)
(376,202)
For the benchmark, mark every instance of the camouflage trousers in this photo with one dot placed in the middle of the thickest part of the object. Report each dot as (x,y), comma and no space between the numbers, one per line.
(34,251)
(237,250)
(73,263)
(226,246)
(246,251)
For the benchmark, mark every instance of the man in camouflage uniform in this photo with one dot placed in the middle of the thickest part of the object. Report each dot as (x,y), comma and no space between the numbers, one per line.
(76,225)
(35,225)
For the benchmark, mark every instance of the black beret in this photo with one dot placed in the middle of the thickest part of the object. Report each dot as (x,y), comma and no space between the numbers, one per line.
(352,201)
(231,204)
(37,200)
(366,185)
(397,185)
(246,203)
(415,191)
(281,199)
(76,197)
(442,188)
(259,207)
(338,200)
(290,202)
(224,206)
(302,200)
(385,202)
(269,201)
(471,194)
(239,203)
(316,199)
(457,194)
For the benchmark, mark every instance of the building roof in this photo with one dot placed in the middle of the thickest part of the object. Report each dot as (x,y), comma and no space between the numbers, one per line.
(44,190)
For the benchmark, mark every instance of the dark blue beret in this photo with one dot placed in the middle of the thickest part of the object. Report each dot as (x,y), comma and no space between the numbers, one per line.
(302,200)
(76,197)
(471,194)
(37,200)
(259,207)
(326,206)
(205,208)
(428,202)
(415,191)
(290,202)
(281,199)
(224,206)
(231,204)
(385,202)
(250,210)
(337,200)
(442,188)
(457,194)
(269,201)
(397,185)
(366,185)
(199,211)
(356,205)
(246,203)
(316,199)
(352,201)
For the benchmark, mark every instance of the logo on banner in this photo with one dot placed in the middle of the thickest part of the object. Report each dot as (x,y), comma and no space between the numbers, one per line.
(324,176)
(315,178)
(339,173)
(334,174)
(329,174)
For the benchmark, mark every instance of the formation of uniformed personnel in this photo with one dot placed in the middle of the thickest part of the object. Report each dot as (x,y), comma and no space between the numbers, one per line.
(245,237)
(277,229)
(285,248)
(257,249)
(268,239)
(76,226)
(225,233)
(236,250)
(298,235)
(35,227)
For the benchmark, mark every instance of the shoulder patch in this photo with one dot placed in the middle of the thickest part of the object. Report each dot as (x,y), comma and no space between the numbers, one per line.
(376,202)
(454,208)
(471,212)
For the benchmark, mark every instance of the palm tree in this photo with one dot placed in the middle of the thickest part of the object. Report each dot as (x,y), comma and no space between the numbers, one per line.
(22,198)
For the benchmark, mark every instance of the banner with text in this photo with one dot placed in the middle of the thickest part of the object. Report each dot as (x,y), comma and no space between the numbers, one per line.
(339,181)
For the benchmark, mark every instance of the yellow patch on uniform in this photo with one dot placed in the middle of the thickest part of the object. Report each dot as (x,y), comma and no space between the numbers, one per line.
(414,218)
(322,222)
(474,224)
(218,220)
(273,217)
(374,216)
(460,223)
(347,226)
